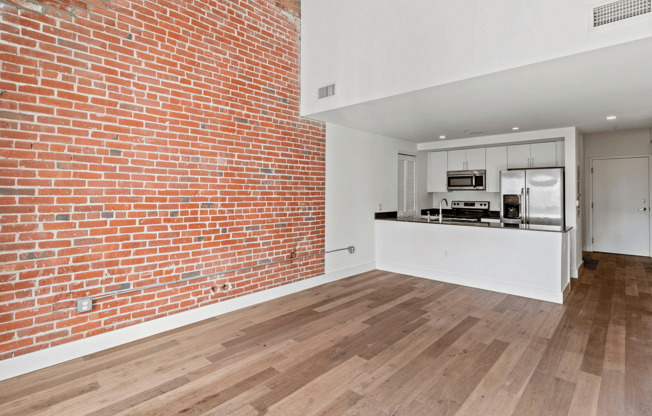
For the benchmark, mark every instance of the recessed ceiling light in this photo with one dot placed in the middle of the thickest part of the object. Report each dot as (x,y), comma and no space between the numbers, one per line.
(611,117)
(442,137)
(515,128)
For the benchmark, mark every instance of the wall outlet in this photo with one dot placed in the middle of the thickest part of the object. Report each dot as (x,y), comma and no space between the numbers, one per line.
(380,206)
(84,305)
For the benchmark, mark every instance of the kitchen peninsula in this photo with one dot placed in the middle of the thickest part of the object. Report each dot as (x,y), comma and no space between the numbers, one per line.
(529,261)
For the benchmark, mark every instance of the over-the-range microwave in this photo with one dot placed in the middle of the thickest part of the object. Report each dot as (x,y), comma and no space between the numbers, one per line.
(464,180)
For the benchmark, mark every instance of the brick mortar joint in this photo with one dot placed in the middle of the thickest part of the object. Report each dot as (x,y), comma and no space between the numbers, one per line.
(44,8)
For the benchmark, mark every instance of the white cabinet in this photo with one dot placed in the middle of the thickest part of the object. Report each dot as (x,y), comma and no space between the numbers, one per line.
(475,158)
(543,155)
(466,159)
(518,156)
(560,153)
(496,161)
(457,159)
(437,167)
(493,159)
(535,155)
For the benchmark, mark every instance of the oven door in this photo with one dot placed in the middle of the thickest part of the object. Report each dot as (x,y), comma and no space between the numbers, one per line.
(466,180)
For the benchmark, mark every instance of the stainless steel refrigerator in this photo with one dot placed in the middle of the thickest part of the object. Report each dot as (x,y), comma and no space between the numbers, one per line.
(532,196)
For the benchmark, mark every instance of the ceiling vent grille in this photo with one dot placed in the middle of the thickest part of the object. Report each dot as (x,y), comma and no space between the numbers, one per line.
(620,10)
(327,91)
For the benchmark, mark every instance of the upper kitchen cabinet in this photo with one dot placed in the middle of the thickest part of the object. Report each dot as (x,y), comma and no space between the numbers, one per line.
(457,159)
(496,161)
(437,167)
(560,153)
(518,156)
(535,155)
(543,155)
(466,159)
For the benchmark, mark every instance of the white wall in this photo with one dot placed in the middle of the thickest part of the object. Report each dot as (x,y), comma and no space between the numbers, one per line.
(378,48)
(361,173)
(614,143)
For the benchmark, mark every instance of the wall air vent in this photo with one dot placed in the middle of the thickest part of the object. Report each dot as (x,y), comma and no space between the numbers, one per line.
(620,10)
(326,91)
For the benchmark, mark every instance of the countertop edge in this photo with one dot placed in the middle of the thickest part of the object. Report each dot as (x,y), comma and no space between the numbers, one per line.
(489,225)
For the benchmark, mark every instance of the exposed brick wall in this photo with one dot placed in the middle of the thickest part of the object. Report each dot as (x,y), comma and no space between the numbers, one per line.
(147,141)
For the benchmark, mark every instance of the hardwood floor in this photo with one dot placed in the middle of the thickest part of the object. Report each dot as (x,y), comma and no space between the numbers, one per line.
(380,344)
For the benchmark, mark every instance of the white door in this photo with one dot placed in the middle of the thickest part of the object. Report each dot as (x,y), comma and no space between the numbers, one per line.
(543,155)
(621,208)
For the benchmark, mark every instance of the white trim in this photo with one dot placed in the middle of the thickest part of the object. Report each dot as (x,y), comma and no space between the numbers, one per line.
(351,271)
(589,243)
(476,282)
(37,360)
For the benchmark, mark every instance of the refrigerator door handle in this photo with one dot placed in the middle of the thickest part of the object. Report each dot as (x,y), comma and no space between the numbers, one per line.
(527,198)
(523,204)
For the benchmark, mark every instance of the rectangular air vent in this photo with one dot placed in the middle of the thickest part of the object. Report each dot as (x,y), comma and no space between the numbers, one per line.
(327,91)
(620,10)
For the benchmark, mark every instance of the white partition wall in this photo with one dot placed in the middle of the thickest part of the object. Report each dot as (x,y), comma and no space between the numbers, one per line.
(361,179)
(519,262)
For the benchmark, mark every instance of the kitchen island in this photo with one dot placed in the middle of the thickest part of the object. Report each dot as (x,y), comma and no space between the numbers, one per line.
(529,261)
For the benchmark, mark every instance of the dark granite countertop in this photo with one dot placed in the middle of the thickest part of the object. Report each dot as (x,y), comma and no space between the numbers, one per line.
(392,216)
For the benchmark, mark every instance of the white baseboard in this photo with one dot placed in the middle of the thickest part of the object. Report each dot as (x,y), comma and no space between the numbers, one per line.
(37,360)
(476,282)
(577,271)
(350,271)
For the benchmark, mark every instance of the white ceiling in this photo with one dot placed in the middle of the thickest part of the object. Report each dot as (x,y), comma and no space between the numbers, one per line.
(578,90)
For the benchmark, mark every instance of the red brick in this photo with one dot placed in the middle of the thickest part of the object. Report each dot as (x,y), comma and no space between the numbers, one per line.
(126,142)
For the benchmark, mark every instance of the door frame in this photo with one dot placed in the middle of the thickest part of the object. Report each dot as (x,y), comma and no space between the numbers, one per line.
(590,191)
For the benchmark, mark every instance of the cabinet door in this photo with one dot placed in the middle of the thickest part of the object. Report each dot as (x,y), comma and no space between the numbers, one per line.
(457,160)
(543,155)
(518,156)
(496,161)
(475,158)
(560,153)
(437,167)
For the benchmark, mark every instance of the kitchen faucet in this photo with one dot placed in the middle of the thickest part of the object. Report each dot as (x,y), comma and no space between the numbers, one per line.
(440,215)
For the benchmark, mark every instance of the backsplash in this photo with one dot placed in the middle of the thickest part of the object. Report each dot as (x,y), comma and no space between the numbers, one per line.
(492,197)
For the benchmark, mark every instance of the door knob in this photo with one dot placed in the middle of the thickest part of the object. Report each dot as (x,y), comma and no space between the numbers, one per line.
(642,209)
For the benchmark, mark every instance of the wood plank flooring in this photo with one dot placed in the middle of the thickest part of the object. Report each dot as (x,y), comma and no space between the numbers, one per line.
(380,344)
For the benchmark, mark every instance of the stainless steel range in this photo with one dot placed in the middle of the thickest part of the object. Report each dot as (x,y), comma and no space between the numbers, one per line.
(468,211)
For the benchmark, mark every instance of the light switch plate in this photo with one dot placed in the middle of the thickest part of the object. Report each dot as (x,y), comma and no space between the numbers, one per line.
(84,305)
